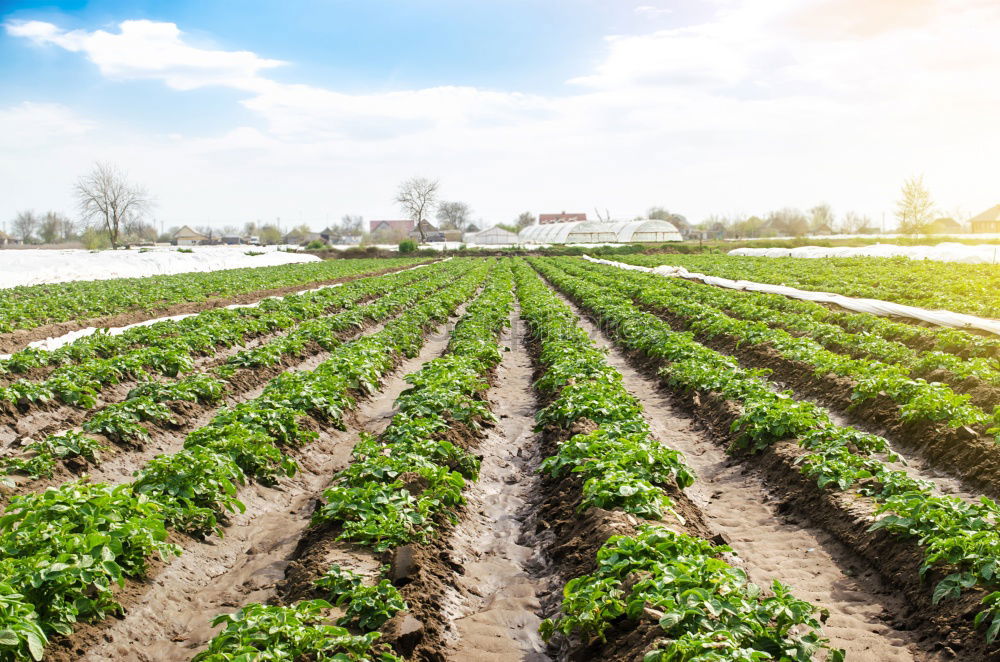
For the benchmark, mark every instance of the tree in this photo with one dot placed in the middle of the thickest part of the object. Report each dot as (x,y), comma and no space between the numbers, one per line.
(453,215)
(269,234)
(24,226)
(108,200)
(416,197)
(748,227)
(915,210)
(55,227)
(820,215)
(854,222)
(351,225)
(523,220)
(788,221)
(662,214)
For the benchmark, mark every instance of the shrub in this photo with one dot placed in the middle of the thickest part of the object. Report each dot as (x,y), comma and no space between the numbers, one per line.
(407,246)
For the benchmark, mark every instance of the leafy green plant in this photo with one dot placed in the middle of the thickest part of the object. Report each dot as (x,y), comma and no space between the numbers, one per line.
(366,607)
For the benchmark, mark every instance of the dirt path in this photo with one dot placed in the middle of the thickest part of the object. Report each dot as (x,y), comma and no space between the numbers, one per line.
(495,602)
(172,620)
(736,504)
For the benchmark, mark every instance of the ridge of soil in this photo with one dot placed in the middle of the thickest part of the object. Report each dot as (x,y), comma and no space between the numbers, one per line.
(968,453)
(940,632)
(167,615)
(18,340)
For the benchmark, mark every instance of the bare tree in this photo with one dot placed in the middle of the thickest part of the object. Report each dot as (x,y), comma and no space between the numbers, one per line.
(854,222)
(351,225)
(820,215)
(524,219)
(24,226)
(109,201)
(675,219)
(454,215)
(55,227)
(915,210)
(416,197)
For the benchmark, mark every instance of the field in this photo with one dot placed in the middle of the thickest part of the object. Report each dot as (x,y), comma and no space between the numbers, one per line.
(500,459)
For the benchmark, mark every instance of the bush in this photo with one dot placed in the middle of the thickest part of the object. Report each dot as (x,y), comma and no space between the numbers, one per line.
(407,246)
(315,245)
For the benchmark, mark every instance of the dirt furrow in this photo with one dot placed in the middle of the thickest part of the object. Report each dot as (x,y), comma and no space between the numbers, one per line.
(737,505)
(170,617)
(494,603)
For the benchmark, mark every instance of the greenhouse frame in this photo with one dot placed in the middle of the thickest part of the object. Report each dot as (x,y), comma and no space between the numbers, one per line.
(596,232)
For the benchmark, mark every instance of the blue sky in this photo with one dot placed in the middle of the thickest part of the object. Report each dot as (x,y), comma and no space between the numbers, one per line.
(229,111)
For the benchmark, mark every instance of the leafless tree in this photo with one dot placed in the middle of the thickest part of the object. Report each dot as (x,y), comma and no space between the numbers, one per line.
(915,209)
(416,197)
(675,219)
(109,201)
(454,215)
(55,227)
(24,226)
(351,225)
(853,222)
(524,219)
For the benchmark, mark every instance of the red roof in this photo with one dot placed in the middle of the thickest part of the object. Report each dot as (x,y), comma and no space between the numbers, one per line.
(560,218)
(391,226)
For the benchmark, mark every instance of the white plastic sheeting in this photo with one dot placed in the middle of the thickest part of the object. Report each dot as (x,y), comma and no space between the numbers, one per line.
(873,306)
(50,344)
(597,232)
(33,266)
(944,252)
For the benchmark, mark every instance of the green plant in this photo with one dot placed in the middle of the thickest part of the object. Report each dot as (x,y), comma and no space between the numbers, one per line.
(407,246)
(366,607)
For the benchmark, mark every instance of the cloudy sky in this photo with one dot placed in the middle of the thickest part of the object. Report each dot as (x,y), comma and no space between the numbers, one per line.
(231,110)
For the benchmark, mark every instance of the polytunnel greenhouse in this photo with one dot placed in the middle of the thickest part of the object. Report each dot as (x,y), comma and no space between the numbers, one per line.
(596,232)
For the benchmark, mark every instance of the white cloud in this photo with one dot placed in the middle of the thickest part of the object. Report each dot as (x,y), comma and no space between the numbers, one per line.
(767,103)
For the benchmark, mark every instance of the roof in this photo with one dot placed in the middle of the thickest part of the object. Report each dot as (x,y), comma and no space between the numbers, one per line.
(494,231)
(596,231)
(561,217)
(991,214)
(185,231)
(626,230)
(400,226)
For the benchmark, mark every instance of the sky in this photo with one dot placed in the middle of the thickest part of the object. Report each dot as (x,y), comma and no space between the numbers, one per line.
(306,110)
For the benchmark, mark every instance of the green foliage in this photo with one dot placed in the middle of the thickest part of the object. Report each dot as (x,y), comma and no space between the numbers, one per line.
(366,607)
(407,246)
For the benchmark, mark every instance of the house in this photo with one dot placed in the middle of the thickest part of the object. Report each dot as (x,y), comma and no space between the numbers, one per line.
(397,229)
(6,239)
(232,239)
(561,217)
(988,221)
(185,236)
(297,238)
(430,233)
(944,225)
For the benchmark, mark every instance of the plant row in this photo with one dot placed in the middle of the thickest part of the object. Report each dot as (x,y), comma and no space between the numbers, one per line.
(63,550)
(398,489)
(706,608)
(918,399)
(169,348)
(807,318)
(957,538)
(963,288)
(27,307)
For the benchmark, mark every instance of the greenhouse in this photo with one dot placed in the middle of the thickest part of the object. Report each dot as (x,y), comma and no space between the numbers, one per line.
(595,232)
(494,236)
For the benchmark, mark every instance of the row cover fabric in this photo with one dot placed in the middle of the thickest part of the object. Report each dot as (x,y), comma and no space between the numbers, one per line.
(873,306)
(944,252)
(50,344)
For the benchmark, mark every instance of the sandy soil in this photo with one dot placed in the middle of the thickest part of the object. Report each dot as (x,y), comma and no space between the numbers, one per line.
(172,618)
(737,505)
(494,604)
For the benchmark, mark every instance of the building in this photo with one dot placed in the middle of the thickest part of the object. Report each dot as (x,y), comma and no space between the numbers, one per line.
(431,233)
(297,238)
(945,225)
(595,232)
(391,227)
(232,239)
(988,221)
(185,236)
(562,217)
(494,236)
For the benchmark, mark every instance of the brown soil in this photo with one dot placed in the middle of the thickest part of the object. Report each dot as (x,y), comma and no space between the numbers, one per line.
(168,616)
(17,340)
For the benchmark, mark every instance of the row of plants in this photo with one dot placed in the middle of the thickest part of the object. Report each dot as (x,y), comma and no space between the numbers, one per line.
(706,608)
(28,307)
(918,399)
(148,402)
(807,319)
(399,488)
(958,539)
(169,348)
(65,549)
(963,288)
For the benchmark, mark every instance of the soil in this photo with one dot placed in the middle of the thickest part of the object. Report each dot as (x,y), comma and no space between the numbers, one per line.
(168,617)
(17,340)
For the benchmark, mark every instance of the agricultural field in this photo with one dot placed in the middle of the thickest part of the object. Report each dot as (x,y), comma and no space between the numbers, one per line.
(960,288)
(496,459)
